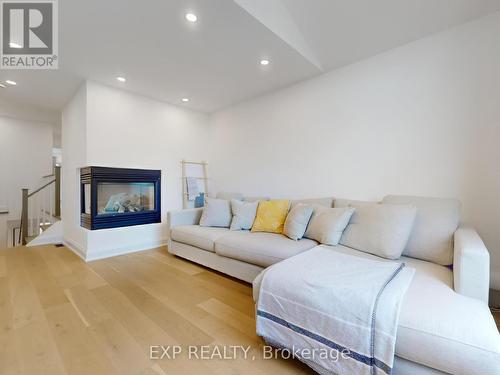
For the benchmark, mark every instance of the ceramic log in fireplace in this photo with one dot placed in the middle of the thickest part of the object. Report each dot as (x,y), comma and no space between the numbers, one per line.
(119,197)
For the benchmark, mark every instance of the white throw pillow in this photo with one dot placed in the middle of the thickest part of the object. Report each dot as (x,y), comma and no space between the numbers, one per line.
(327,224)
(216,213)
(243,214)
(297,220)
(380,229)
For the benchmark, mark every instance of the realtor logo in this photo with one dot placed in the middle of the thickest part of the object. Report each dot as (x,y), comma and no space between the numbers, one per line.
(29,34)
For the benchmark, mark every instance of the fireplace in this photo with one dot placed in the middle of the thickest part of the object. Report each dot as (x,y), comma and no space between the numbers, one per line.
(119,197)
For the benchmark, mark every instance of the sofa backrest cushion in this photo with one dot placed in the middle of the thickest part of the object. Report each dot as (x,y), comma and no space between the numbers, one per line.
(379,229)
(341,202)
(216,213)
(327,224)
(327,202)
(436,221)
(228,195)
(255,199)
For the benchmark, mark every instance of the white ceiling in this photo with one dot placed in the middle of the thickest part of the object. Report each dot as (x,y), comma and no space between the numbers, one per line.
(215,62)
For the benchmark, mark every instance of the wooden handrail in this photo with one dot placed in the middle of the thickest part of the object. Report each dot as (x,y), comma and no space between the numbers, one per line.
(57,200)
(25,200)
(41,188)
(24,217)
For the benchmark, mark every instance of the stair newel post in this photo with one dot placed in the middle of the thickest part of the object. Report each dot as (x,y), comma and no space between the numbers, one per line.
(24,217)
(57,197)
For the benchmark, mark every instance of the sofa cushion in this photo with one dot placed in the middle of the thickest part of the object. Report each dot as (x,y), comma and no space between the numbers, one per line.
(271,216)
(379,229)
(243,214)
(228,196)
(297,220)
(341,202)
(195,235)
(443,329)
(327,202)
(438,327)
(261,249)
(256,199)
(328,224)
(216,213)
(436,221)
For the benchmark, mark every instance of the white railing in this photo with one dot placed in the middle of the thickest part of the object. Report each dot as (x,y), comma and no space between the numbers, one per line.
(40,208)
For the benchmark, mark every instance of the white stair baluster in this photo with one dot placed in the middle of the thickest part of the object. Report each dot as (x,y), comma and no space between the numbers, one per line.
(37,227)
(44,209)
(51,203)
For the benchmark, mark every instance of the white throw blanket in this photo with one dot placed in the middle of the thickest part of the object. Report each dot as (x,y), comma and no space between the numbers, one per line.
(192,188)
(322,303)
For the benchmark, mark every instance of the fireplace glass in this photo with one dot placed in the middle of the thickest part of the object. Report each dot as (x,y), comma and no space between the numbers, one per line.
(115,198)
(119,197)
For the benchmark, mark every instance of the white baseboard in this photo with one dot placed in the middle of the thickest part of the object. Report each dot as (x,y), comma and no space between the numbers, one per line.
(107,253)
(77,249)
(124,250)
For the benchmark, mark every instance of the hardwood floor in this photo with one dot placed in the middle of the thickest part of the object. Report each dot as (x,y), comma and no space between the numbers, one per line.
(60,315)
(496,315)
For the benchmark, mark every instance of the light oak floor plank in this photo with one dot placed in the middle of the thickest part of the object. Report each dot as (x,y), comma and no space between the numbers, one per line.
(3,269)
(35,346)
(80,353)
(9,364)
(60,315)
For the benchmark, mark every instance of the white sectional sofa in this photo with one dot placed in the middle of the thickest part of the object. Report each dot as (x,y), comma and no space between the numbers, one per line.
(445,325)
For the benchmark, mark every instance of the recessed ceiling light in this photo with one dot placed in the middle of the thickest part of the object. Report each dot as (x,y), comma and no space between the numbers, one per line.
(185,100)
(121,79)
(14,45)
(264,62)
(191,17)
(12,83)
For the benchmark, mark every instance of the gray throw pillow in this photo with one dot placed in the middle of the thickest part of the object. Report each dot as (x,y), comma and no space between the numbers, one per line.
(297,220)
(243,214)
(327,224)
(216,213)
(380,229)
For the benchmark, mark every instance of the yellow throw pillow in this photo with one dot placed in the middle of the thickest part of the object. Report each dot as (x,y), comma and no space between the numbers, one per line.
(271,216)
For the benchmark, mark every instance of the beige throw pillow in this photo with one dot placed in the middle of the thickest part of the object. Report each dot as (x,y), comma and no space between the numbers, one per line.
(327,224)
(380,229)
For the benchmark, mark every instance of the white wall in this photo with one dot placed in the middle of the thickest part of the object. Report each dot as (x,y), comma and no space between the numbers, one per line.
(132,131)
(74,156)
(25,156)
(423,119)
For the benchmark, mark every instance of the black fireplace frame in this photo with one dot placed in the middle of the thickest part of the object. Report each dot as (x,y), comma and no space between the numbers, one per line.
(94,175)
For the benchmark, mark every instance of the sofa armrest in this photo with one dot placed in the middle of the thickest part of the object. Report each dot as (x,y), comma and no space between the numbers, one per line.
(471,265)
(190,216)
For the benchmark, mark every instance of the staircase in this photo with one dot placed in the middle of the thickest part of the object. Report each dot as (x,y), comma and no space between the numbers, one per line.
(41,208)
